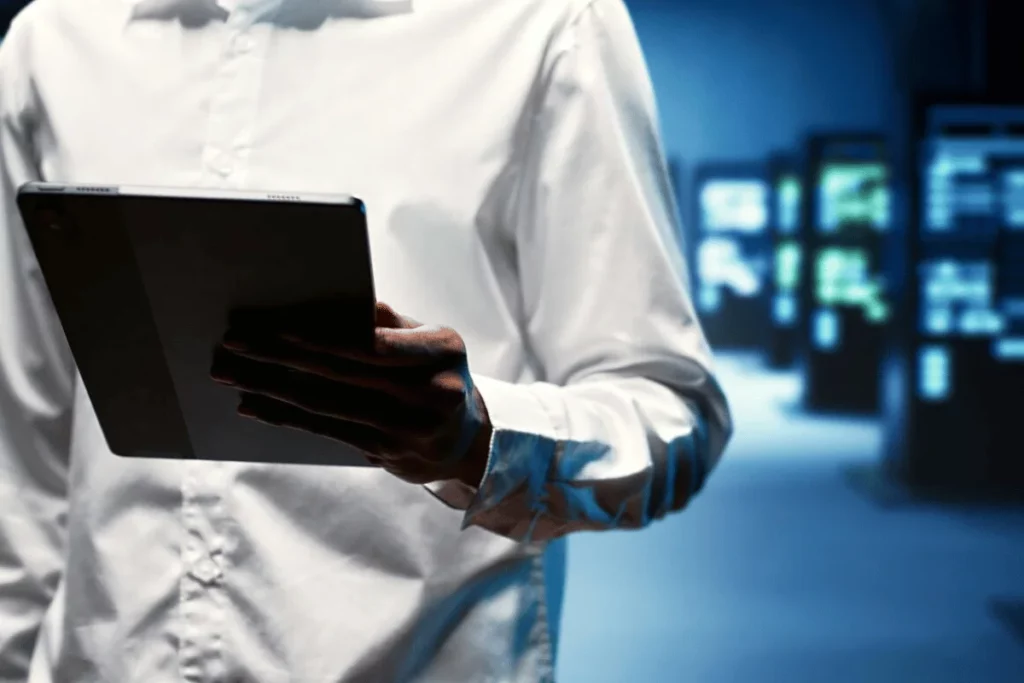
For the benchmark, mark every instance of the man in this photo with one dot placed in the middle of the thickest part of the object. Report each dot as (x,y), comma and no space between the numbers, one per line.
(518,205)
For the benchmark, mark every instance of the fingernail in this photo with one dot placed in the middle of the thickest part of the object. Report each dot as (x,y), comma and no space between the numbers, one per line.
(235,345)
(220,379)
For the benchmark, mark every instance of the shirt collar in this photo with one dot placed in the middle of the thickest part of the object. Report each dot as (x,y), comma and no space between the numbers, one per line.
(386,6)
(140,8)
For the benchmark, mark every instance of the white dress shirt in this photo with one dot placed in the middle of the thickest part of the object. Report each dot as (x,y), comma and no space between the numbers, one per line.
(508,155)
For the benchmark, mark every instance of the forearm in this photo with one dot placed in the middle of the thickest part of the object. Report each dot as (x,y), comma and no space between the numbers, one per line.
(607,453)
(632,420)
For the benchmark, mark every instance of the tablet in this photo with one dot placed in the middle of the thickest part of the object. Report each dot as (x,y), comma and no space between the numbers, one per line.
(145,280)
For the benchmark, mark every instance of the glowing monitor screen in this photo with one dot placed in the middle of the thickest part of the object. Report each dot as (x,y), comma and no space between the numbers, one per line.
(957,299)
(972,203)
(843,278)
(787,204)
(735,205)
(724,264)
(973,186)
(853,195)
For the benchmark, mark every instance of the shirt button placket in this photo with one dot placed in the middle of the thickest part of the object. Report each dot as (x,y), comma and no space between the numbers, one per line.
(232,113)
(235,101)
(202,553)
(194,603)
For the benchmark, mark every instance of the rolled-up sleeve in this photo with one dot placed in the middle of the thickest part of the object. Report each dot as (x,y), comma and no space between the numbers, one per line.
(629,420)
(36,390)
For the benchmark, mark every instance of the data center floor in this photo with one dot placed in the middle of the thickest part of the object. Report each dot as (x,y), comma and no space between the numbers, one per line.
(782,572)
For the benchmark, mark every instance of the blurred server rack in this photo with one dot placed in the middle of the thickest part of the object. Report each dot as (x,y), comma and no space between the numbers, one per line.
(847,221)
(731,253)
(956,391)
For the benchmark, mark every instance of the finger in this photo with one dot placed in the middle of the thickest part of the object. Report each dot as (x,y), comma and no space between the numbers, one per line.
(277,414)
(413,347)
(398,347)
(333,400)
(326,323)
(378,447)
(373,444)
(404,383)
(225,367)
(427,342)
(388,317)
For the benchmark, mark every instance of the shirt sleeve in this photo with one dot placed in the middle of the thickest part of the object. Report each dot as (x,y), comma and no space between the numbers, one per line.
(36,390)
(629,419)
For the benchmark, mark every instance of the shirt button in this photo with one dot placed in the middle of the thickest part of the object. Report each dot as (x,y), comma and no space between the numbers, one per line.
(206,570)
(221,164)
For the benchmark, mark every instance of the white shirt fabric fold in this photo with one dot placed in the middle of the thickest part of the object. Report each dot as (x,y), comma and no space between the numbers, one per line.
(509,158)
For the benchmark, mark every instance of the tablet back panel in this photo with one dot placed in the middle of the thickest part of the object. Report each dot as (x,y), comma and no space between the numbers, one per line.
(144,284)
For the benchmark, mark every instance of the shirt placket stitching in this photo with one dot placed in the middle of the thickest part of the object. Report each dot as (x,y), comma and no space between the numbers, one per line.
(540,636)
(225,157)
(235,102)
(196,583)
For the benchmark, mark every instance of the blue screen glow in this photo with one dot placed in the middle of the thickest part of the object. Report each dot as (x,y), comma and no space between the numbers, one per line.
(1009,349)
(974,185)
(853,194)
(826,329)
(843,277)
(934,373)
(1013,199)
(784,310)
(723,263)
(957,298)
(853,210)
(788,257)
(787,204)
(734,205)
(710,298)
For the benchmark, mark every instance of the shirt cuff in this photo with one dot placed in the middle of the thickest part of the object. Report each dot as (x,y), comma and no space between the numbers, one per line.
(522,451)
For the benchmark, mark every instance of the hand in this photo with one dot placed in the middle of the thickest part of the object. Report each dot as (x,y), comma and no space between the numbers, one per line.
(408,403)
